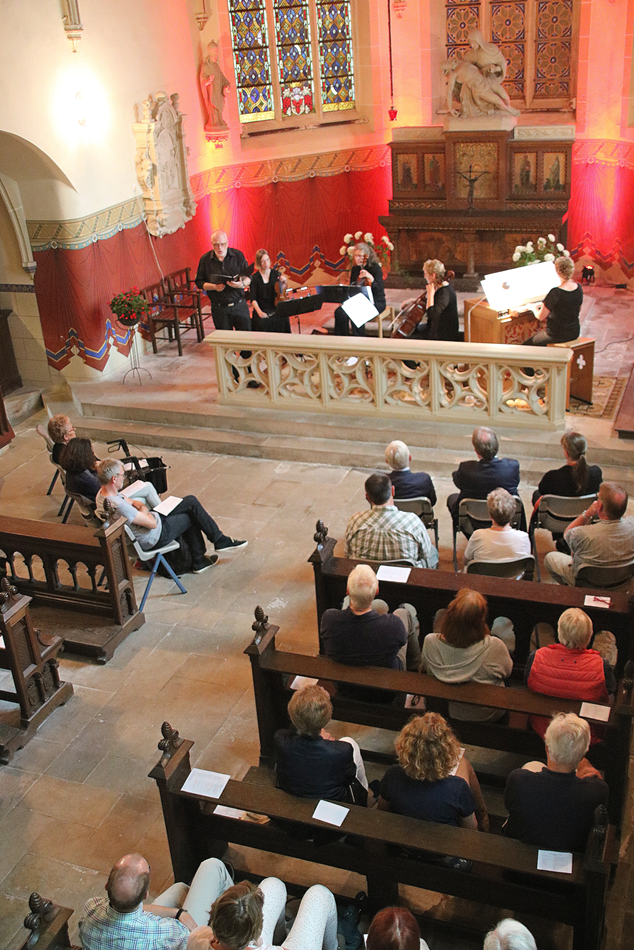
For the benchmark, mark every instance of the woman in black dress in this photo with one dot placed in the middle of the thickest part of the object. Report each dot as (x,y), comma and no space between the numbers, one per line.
(366,271)
(574,478)
(442,306)
(266,283)
(561,308)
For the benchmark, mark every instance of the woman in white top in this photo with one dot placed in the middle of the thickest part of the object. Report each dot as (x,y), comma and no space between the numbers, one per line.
(464,651)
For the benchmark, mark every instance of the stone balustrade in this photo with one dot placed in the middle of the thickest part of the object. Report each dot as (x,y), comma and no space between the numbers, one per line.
(467,383)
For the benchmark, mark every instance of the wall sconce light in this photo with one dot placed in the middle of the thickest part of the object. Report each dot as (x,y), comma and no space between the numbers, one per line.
(201,16)
(399,7)
(392,112)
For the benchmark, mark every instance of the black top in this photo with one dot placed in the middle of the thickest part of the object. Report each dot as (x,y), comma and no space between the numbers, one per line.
(378,291)
(559,482)
(413,485)
(56,454)
(442,316)
(83,483)
(552,810)
(264,294)
(235,263)
(445,801)
(562,322)
(314,767)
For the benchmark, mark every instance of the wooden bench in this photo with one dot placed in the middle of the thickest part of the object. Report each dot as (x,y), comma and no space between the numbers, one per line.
(46,927)
(525,603)
(273,670)
(60,567)
(504,872)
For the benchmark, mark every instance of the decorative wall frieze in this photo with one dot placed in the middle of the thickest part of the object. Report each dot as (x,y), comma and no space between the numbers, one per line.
(609,152)
(544,133)
(79,232)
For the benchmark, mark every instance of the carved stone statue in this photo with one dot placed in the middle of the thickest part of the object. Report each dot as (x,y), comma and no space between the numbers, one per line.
(476,80)
(214,86)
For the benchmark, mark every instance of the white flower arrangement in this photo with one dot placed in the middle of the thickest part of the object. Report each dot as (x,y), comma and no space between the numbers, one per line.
(383,249)
(544,249)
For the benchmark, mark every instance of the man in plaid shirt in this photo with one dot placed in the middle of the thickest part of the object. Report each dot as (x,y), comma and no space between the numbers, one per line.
(121,921)
(384,533)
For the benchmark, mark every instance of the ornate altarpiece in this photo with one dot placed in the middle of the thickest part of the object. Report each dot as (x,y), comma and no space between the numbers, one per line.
(161,165)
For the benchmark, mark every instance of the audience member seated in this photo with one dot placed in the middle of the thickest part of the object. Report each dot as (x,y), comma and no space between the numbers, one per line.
(395,928)
(152,530)
(249,916)
(122,919)
(475,479)
(407,484)
(80,464)
(576,477)
(464,651)
(310,762)
(500,542)
(607,542)
(363,633)
(552,806)
(61,430)
(569,669)
(510,934)
(386,534)
(433,780)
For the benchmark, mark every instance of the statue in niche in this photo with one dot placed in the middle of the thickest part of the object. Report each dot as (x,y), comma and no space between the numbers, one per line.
(214,86)
(476,80)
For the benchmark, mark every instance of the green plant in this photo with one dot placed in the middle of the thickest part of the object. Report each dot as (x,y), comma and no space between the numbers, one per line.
(129,307)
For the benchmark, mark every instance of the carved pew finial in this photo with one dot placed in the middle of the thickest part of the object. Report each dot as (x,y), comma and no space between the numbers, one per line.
(169,743)
(321,533)
(9,594)
(109,510)
(41,912)
(261,624)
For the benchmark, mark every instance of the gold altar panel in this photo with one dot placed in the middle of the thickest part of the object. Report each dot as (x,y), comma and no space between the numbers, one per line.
(482,159)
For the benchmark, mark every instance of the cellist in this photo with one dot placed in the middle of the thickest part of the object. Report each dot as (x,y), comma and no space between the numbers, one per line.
(440,319)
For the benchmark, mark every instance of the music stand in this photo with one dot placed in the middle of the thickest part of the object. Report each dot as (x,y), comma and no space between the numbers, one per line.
(293,307)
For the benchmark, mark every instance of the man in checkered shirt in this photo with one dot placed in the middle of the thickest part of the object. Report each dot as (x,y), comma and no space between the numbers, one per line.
(384,533)
(121,921)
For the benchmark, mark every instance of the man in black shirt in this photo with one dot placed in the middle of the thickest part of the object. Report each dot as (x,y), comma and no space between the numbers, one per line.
(228,304)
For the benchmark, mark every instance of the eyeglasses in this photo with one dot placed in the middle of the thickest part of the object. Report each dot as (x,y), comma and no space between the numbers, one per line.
(220,244)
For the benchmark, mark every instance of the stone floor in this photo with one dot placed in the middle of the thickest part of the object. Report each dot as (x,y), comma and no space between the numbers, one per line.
(77,797)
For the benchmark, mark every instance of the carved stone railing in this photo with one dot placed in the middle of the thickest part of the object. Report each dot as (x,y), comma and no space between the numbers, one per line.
(466,383)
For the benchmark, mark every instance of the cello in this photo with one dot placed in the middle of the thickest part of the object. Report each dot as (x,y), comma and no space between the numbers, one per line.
(409,316)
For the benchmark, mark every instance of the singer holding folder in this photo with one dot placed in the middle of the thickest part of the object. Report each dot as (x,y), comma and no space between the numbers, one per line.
(366,272)
(222,274)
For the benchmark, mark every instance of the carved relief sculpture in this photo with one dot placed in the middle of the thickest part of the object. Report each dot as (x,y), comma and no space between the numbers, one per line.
(161,165)
(214,86)
(476,80)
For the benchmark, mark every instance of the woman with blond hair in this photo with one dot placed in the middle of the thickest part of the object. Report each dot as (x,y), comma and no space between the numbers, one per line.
(433,780)
(442,306)
(561,308)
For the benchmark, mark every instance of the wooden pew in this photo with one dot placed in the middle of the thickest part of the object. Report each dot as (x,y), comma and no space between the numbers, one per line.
(46,927)
(504,871)
(272,670)
(38,553)
(524,602)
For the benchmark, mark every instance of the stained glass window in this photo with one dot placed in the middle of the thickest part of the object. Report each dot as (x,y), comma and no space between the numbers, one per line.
(508,31)
(461,19)
(292,32)
(553,49)
(335,55)
(251,60)
(305,67)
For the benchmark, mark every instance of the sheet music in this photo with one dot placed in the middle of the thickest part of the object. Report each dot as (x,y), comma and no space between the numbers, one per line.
(207,784)
(359,309)
(168,504)
(131,489)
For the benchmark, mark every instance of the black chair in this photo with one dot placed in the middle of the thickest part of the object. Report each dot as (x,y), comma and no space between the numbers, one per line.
(422,507)
(554,514)
(516,568)
(473,514)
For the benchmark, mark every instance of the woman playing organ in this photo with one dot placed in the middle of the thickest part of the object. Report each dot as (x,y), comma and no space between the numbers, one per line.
(267,284)
(561,308)
(366,271)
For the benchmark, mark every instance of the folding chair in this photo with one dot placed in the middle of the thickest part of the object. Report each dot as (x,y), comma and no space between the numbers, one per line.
(554,514)
(473,514)
(421,506)
(604,578)
(157,555)
(512,568)
(49,448)
(86,507)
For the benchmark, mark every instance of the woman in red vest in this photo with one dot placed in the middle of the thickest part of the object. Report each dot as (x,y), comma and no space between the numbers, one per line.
(568,668)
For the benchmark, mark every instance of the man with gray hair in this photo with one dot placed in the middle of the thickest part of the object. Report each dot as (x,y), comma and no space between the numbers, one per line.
(475,479)
(407,484)
(500,542)
(222,274)
(509,935)
(152,530)
(600,537)
(364,633)
(552,806)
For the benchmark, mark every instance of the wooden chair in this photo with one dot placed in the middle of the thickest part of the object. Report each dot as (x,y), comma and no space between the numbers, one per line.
(473,514)
(514,568)
(422,507)
(186,297)
(554,514)
(163,314)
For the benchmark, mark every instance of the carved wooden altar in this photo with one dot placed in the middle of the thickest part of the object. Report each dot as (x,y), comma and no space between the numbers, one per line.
(521,193)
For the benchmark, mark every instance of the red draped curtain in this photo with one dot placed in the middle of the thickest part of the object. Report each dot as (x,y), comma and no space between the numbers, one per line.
(600,214)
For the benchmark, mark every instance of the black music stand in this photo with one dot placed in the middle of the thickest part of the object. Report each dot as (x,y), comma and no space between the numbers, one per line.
(294,306)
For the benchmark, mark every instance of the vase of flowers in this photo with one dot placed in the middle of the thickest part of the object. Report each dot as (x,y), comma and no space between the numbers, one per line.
(544,249)
(130,307)
(383,249)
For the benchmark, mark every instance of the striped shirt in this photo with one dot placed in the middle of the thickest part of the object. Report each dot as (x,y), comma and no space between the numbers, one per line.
(384,533)
(104,928)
